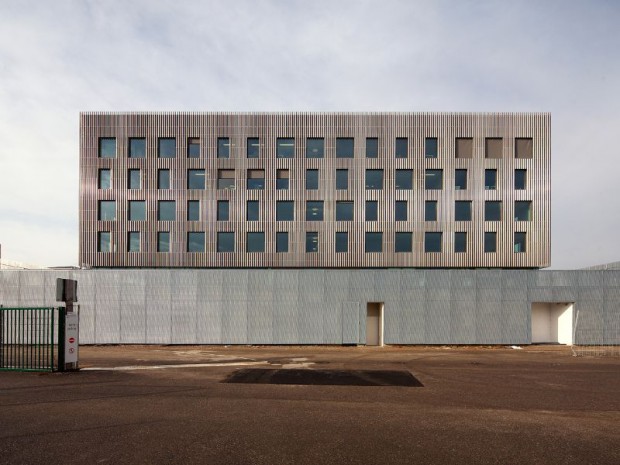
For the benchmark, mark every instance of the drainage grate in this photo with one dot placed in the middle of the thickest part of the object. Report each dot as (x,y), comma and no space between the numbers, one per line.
(324,377)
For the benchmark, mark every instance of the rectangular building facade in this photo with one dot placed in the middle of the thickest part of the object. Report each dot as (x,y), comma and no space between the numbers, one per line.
(315,190)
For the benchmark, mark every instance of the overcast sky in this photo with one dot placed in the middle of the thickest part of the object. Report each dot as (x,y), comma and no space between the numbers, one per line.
(58,58)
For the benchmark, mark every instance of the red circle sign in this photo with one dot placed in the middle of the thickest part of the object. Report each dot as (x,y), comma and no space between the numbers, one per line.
(71,340)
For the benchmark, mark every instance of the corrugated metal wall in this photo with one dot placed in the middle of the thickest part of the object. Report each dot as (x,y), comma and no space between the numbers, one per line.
(322,306)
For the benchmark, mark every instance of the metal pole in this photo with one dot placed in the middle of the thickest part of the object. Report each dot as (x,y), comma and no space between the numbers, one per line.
(62,318)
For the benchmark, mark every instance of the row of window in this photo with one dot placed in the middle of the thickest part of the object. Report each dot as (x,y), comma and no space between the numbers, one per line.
(255,242)
(285,210)
(315,147)
(374,179)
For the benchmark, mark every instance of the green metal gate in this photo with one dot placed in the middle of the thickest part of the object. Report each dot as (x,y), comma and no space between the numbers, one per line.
(28,338)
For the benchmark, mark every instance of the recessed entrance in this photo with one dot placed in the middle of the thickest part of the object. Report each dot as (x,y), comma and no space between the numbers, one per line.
(552,323)
(374,324)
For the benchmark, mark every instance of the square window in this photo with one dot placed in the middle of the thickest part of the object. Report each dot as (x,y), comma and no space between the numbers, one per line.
(166,147)
(193,210)
(282,242)
(524,147)
(315,147)
(344,147)
(256,179)
(104,243)
(403,242)
(105,179)
(137,210)
(166,210)
(252,210)
(107,210)
(372,210)
(282,177)
(460,180)
(342,242)
(193,147)
(196,179)
(373,242)
(223,147)
(493,147)
(225,241)
(403,179)
(107,147)
(223,210)
(314,210)
(492,210)
(163,179)
(433,180)
(253,147)
(401,147)
(430,147)
(285,210)
(430,210)
(462,210)
(312,242)
(374,179)
(520,179)
(490,179)
(400,210)
(255,242)
(285,147)
(163,241)
(460,242)
(137,147)
(519,245)
(490,242)
(523,210)
(344,211)
(342,179)
(226,179)
(312,179)
(432,242)
(463,147)
(133,241)
(195,241)
(372,147)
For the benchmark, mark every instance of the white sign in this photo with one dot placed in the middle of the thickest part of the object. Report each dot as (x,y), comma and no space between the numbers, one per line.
(72,330)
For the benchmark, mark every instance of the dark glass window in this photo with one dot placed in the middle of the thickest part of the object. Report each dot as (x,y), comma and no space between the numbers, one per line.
(401,147)
(256,179)
(400,210)
(282,242)
(105,179)
(223,210)
(344,211)
(374,179)
(432,242)
(524,147)
(225,241)
(373,242)
(430,210)
(403,242)
(430,147)
(193,210)
(312,242)
(226,179)
(252,210)
(342,242)
(137,147)
(253,147)
(523,210)
(460,180)
(166,147)
(163,179)
(195,241)
(460,242)
(372,210)
(492,210)
(282,179)
(195,179)
(519,245)
(314,210)
(520,179)
(107,147)
(134,180)
(193,147)
(255,242)
(344,147)
(104,243)
(462,210)
(342,179)
(107,210)
(312,179)
(137,210)
(463,147)
(490,179)
(433,180)
(315,147)
(372,147)
(163,241)
(223,147)
(166,210)
(493,147)
(133,241)
(403,179)
(285,147)
(490,242)
(285,210)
